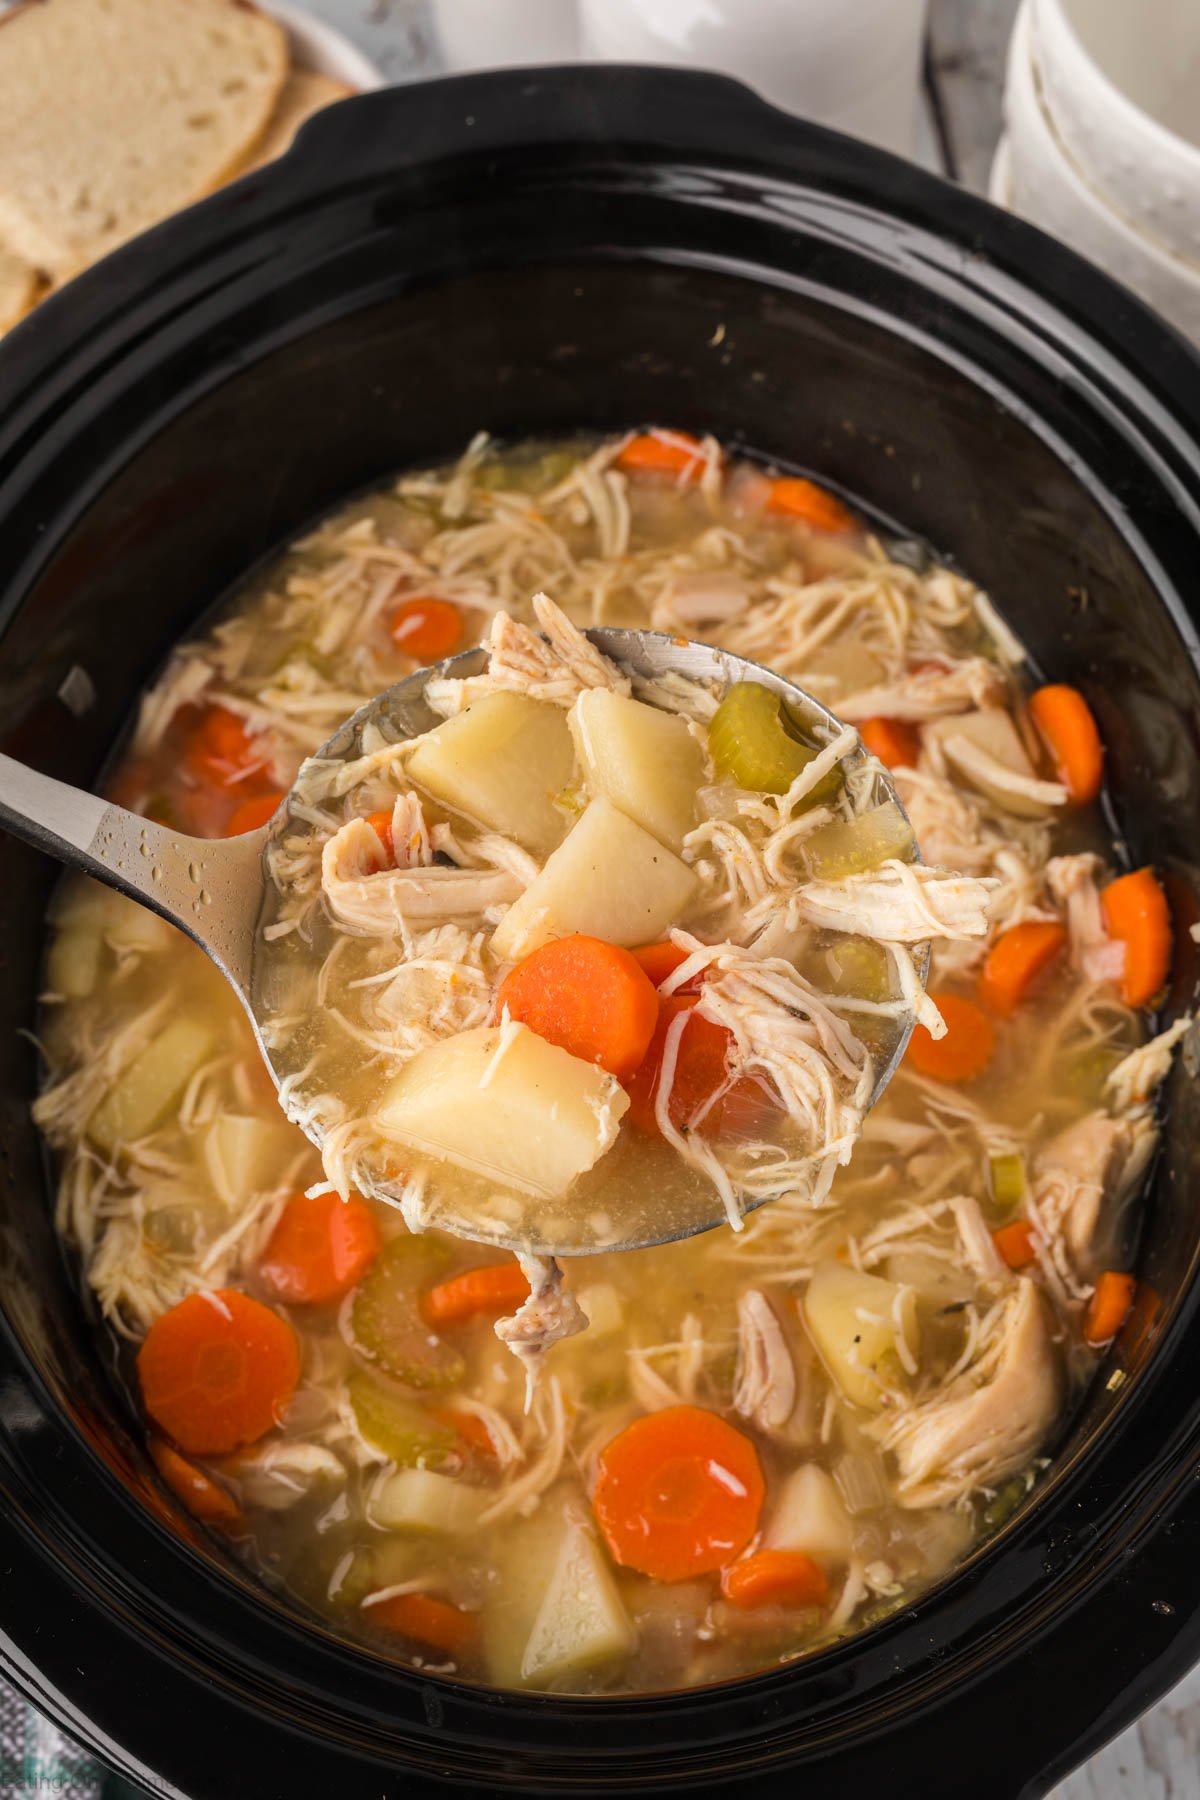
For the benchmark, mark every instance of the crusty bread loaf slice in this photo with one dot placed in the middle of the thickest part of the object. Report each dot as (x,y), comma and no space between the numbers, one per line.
(305,93)
(118,112)
(19,284)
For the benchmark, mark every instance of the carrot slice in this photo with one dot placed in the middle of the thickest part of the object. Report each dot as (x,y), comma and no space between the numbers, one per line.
(1016,960)
(381,825)
(470,1428)
(203,1496)
(1136,914)
(320,1248)
(895,742)
(221,750)
(494,1289)
(676,453)
(253,813)
(591,998)
(1109,1307)
(429,1621)
(965,1051)
(797,498)
(1065,723)
(679,1493)
(426,628)
(661,960)
(775,1578)
(1015,1244)
(701,1068)
(218,1371)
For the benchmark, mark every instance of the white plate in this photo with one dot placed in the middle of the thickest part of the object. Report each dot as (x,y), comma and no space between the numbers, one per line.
(321,47)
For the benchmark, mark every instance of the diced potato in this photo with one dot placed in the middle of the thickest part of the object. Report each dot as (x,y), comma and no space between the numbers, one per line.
(854,1320)
(246,1155)
(852,846)
(508,1105)
(423,1500)
(604,1308)
(938,1283)
(611,879)
(809,1515)
(151,1084)
(502,762)
(119,921)
(581,1623)
(645,761)
(73,963)
(991,730)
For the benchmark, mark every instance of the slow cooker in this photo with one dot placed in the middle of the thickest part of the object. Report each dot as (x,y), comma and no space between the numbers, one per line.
(535,252)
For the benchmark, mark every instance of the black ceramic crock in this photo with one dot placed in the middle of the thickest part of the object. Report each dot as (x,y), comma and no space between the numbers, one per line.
(536,252)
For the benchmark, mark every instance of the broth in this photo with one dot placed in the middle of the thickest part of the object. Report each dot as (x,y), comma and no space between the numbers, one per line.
(964,1261)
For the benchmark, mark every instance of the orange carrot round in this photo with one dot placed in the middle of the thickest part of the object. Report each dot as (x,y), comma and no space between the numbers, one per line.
(203,1496)
(1137,915)
(1017,959)
(433,1622)
(252,813)
(591,998)
(1108,1308)
(678,1494)
(220,750)
(470,1428)
(895,742)
(775,1578)
(1014,1244)
(218,1371)
(381,825)
(797,498)
(701,1068)
(676,454)
(495,1289)
(965,1051)
(427,628)
(661,960)
(319,1248)
(1065,723)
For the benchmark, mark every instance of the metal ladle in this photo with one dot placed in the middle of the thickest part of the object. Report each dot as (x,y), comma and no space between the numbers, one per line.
(215,889)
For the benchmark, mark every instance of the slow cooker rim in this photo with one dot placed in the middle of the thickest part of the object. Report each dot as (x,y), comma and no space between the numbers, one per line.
(177,233)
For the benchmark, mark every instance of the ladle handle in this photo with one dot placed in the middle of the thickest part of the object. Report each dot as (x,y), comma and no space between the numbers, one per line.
(210,888)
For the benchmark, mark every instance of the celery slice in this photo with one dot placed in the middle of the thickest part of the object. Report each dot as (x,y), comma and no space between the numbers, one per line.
(852,846)
(860,967)
(385,1316)
(1006,1178)
(396,1424)
(754,740)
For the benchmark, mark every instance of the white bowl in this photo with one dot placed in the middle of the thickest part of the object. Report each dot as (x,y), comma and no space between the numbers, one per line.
(321,47)
(1045,186)
(1120,79)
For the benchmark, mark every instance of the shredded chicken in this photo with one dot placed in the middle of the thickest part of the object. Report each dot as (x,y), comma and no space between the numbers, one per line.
(765,1388)
(1134,1080)
(928,693)
(1008,786)
(557,667)
(550,1314)
(365,894)
(1080,1180)
(991,1419)
(897,903)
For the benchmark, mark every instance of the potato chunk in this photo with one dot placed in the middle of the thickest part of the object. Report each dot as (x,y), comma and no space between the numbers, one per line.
(645,761)
(581,1623)
(507,1105)
(610,880)
(857,1322)
(809,1515)
(502,762)
(151,1084)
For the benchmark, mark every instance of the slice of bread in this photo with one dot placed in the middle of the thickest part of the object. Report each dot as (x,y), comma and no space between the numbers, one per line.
(118,112)
(305,93)
(19,284)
